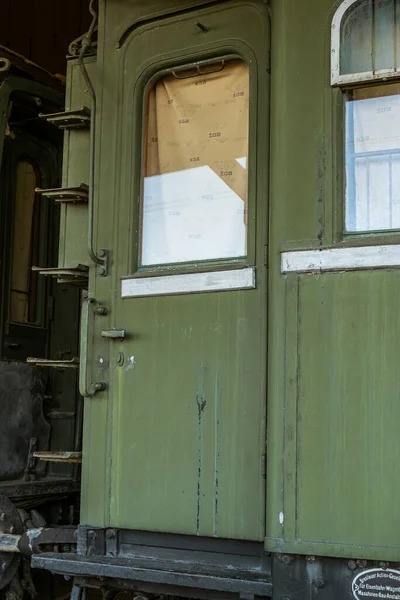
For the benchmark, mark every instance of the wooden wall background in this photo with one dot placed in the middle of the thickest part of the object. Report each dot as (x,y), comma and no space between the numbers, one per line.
(42,30)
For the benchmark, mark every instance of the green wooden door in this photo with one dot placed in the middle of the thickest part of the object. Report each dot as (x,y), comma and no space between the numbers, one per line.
(188,381)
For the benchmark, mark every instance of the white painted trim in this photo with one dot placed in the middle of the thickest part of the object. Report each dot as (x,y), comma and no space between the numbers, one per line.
(336,77)
(188,283)
(340,259)
(335,39)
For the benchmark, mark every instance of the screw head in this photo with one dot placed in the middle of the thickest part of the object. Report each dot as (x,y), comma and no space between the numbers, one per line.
(12,529)
(310,559)
(101,271)
(352,565)
(362,564)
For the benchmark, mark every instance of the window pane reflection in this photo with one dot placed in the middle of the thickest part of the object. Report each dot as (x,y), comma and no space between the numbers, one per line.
(373,159)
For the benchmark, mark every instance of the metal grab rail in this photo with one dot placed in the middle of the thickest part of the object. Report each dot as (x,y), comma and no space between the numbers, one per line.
(87,390)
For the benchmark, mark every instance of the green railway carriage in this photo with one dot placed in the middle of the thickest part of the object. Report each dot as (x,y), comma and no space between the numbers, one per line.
(230,211)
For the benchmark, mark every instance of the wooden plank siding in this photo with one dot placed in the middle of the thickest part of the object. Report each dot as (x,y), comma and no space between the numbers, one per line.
(42,30)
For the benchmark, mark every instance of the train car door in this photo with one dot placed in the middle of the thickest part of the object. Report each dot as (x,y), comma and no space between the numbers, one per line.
(186,334)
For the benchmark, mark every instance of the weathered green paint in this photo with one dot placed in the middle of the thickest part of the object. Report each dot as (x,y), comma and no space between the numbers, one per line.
(332,400)
(341,441)
(186,421)
(74,216)
(332,349)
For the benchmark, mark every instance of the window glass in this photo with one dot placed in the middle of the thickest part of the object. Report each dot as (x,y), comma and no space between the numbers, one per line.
(194,202)
(25,245)
(373,158)
(368,37)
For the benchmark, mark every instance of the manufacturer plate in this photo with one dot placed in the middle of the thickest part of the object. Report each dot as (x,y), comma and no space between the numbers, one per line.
(376,584)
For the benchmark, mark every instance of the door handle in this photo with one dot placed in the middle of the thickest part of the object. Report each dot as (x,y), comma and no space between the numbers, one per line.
(87,390)
(113,334)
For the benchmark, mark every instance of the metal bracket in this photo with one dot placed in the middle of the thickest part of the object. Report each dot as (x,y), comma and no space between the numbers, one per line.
(70,119)
(74,194)
(102,269)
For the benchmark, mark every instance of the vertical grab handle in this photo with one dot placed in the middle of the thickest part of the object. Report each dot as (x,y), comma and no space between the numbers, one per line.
(87,390)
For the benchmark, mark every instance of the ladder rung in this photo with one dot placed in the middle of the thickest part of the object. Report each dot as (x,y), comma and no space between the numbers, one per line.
(74,194)
(73,363)
(70,119)
(77,275)
(59,456)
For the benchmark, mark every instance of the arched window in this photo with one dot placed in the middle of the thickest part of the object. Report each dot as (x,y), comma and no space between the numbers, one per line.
(365,41)
(366,65)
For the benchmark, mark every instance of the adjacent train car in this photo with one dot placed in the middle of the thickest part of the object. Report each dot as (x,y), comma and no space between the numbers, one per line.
(237,232)
(40,412)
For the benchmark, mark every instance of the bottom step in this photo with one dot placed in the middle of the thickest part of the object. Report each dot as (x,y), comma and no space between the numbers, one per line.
(59,456)
(185,566)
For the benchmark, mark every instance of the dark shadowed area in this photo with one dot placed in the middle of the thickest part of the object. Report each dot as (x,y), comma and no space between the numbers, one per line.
(41,30)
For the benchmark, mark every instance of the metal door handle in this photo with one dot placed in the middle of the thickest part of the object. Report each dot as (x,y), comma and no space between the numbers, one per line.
(87,390)
(114,334)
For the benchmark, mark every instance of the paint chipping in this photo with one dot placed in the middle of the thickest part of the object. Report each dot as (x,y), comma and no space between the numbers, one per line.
(131,362)
(201,405)
(281,518)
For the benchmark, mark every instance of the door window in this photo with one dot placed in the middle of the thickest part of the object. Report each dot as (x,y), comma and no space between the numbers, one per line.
(195,177)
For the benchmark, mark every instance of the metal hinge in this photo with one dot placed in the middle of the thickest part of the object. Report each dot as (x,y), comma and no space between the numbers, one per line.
(50,308)
(264,466)
(265,256)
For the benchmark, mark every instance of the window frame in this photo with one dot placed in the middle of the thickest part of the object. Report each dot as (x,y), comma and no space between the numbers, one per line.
(200,69)
(140,102)
(342,84)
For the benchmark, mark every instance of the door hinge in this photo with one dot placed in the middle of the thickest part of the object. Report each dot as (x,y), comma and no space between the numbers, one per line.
(263,466)
(50,308)
(265,256)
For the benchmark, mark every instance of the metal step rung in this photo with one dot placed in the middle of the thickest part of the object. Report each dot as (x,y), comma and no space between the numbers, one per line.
(75,194)
(77,275)
(56,415)
(73,363)
(70,119)
(59,456)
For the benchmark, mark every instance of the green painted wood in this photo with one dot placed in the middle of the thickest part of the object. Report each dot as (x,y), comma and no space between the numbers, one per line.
(341,444)
(186,417)
(348,409)
(332,395)
(190,418)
